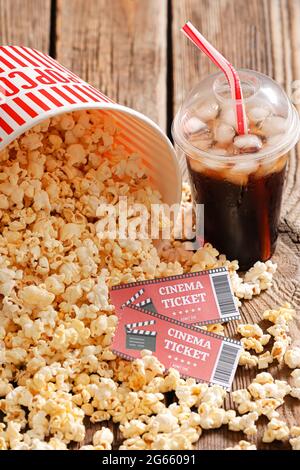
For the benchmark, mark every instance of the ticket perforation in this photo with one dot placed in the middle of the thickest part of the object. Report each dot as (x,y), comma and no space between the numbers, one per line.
(177,322)
(171,278)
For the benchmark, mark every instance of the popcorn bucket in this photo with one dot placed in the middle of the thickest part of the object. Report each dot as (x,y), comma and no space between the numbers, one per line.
(34,87)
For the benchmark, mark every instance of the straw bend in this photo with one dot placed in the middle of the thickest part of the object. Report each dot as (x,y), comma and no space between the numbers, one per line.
(227,68)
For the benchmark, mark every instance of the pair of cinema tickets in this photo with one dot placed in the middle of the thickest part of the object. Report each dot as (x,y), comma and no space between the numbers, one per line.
(165,316)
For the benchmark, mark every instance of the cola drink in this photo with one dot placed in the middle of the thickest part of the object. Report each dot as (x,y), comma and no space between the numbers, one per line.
(238,178)
(246,213)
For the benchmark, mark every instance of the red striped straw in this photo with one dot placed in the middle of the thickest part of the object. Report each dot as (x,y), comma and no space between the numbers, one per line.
(231,74)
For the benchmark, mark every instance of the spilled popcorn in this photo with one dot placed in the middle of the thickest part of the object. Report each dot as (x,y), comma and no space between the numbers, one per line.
(254,338)
(57,323)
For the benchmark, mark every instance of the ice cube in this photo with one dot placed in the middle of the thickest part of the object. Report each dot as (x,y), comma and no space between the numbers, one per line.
(208,110)
(194,125)
(211,164)
(196,165)
(234,177)
(248,143)
(208,167)
(202,139)
(199,133)
(247,167)
(273,125)
(228,116)
(257,114)
(280,164)
(274,140)
(273,166)
(218,151)
(240,172)
(224,133)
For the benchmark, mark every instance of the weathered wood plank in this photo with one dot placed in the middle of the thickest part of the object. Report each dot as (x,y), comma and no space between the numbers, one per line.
(291,207)
(262,35)
(120,47)
(26,23)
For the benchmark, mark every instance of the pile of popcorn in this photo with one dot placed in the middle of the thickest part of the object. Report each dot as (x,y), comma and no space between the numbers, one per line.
(57,323)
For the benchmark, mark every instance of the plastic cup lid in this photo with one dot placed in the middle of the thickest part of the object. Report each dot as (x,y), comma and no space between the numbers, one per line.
(267,107)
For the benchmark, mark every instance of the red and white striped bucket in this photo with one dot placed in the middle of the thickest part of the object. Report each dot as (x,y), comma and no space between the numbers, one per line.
(34,87)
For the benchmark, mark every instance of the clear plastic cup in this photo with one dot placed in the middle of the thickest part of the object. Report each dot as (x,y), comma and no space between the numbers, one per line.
(239,179)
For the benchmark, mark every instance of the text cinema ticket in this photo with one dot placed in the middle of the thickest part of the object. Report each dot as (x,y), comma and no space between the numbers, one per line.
(205,356)
(195,298)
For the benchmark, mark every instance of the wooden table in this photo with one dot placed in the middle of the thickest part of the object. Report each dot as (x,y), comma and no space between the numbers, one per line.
(133,51)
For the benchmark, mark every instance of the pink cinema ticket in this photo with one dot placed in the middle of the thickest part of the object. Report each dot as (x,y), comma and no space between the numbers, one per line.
(195,298)
(195,353)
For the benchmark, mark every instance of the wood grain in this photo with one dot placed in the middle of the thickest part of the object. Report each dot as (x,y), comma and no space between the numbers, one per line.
(26,23)
(120,47)
(261,35)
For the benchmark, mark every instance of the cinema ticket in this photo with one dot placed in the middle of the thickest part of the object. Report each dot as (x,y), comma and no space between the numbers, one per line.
(195,298)
(195,353)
